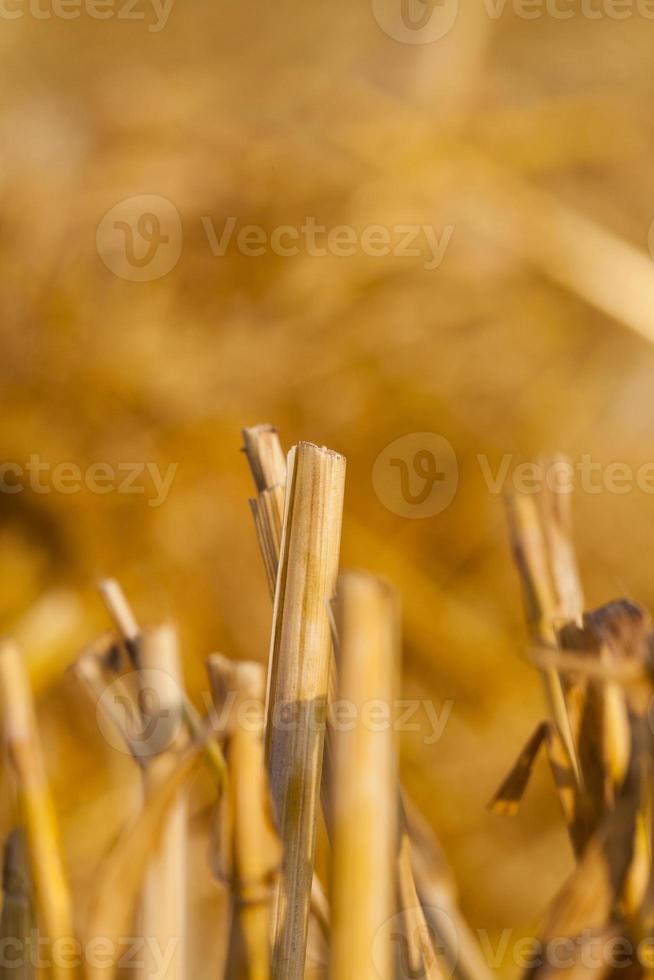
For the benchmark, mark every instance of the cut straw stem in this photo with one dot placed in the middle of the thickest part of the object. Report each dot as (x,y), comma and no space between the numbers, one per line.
(298,679)
(37,815)
(365,805)
(254,847)
(268,516)
(262,444)
(163,898)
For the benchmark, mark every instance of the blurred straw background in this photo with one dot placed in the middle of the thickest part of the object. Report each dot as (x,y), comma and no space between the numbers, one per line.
(534,141)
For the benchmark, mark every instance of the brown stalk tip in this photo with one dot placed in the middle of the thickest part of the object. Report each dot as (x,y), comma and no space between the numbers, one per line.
(622,624)
(261,428)
(265,456)
(118,608)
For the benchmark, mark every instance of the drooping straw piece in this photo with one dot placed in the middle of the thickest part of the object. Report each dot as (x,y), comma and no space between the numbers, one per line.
(365,805)
(53,906)
(251,854)
(508,797)
(17,920)
(163,896)
(298,679)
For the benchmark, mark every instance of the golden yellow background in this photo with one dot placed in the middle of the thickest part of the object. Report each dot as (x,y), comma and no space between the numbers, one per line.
(534,139)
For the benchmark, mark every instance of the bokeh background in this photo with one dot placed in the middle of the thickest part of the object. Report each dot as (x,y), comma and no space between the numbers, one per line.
(533,139)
